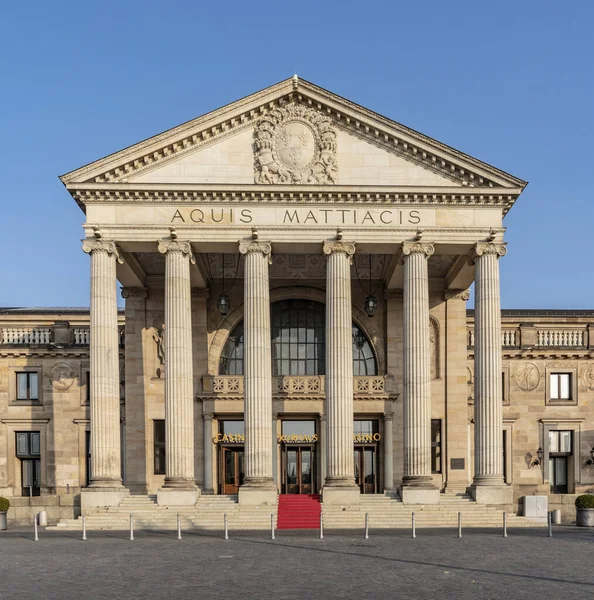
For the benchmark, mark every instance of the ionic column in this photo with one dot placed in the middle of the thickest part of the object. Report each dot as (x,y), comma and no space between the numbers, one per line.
(488,410)
(388,452)
(179,385)
(104,346)
(208,487)
(257,371)
(417,379)
(339,368)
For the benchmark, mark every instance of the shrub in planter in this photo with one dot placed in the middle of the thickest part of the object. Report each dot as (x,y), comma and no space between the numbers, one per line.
(5,504)
(584,505)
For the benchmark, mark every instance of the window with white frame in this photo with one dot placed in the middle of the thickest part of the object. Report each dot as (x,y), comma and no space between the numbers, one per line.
(560,386)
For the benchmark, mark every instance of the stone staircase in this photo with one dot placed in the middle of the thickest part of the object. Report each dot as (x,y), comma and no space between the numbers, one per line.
(388,512)
(207,514)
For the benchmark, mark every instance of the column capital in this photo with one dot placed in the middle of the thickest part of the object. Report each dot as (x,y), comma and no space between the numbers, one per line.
(253,246)
(333,246)
(388,416)
(482,248)
(409,248)
(207,416)
(184,248)
(134,292)
(323,418)
(90,246)
(456,295)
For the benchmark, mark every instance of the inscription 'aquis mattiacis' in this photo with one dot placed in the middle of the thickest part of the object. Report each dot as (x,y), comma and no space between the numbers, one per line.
(298,216)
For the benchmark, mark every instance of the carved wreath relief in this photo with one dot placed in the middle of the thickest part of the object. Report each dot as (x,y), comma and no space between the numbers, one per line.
(295,144)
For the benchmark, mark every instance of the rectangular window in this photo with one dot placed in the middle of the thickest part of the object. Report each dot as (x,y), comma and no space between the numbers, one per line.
(560,386)
(436,445)
(88,387)
(560,442)
(504,397)
(159,446)
(28,450)
(28,386)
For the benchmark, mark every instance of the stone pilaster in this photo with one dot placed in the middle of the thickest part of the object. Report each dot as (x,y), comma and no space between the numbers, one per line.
(258,486)
(106,469)
(488,481)
(275,449)
(417,483)
(180,484)
(208,485)
(322,444)
(339,486)
(388,452)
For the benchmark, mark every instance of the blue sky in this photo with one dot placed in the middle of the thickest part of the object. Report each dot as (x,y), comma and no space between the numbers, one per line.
(508,82)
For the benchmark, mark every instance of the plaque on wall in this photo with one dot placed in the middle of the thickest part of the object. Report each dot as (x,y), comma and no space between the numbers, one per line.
(457,464)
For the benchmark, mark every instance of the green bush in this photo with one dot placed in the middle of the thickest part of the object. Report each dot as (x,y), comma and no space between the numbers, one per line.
(585,501)
(5,504)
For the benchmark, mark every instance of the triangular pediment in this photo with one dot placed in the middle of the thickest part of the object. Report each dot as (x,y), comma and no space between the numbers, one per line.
(293,132)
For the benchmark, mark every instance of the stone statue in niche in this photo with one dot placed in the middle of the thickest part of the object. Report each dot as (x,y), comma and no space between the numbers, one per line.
(158,339)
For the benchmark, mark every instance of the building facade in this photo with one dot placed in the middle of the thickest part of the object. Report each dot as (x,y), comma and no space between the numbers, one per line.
(295,270)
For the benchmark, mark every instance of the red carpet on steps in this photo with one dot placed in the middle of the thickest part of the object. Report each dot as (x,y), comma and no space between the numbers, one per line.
(298,511)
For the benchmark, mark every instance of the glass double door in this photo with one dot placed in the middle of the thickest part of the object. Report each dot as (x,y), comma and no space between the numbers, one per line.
(366,459)
(298,470)
(233,469)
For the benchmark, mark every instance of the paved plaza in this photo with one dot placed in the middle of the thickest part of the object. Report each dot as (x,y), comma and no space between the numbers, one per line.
(436,564)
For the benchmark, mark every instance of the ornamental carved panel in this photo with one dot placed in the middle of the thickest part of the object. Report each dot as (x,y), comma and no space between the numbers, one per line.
(295,144)
(588,378)
(62,376)
(527,377)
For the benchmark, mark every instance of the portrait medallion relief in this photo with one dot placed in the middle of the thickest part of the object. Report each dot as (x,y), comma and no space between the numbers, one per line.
(62,376)
(295,144)
(527,377)
(588,378)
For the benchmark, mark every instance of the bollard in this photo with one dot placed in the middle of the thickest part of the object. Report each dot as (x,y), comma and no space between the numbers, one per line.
(131,526)
(414,527)
(459,524)
(504,524)
(35,525)
(84,521)
(226,527)
(178,527)
(550,522)
(272,526)
(321,526)
(366,526)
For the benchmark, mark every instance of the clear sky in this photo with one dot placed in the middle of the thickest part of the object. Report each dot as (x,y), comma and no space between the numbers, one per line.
(509,82)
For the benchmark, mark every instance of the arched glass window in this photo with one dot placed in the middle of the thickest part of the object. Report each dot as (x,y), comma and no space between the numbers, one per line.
(298,330)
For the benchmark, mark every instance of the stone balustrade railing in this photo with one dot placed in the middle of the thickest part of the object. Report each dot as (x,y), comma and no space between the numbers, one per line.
(292,385)
(25,336)
(60,335)
(533,337)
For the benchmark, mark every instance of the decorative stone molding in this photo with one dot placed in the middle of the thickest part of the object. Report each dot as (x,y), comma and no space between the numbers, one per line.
(295,144)
(417,248)
(184,248)
(207,416)
(434,342)
(588,378)
(264,248)
(347,248)
(527,377)
(482,248)
(62,376)
(456,295)
(110,248)
(134,292)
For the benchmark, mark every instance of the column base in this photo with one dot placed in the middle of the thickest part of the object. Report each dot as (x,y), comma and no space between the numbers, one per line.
(342,495)
(98,496)
(493,494)
(258,495)
(169,496)
(419,494)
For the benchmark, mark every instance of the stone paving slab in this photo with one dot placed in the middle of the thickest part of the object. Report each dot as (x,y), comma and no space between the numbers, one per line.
(297,565)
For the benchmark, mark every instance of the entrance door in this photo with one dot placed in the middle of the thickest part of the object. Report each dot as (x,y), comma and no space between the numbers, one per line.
(233,469)
(558,474)
(298,467)
(366,469)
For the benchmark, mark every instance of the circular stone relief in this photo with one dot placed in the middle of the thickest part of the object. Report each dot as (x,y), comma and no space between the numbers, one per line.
(588,378)
(295,145)
(62,376)
(527,377)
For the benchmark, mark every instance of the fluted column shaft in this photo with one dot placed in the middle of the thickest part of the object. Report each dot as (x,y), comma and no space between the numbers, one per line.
(339,365)
(488,405)
(179,385)
(257,366)
(417,357)
(106,471)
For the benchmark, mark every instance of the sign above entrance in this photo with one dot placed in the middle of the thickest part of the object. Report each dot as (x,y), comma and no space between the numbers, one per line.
(294,438)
